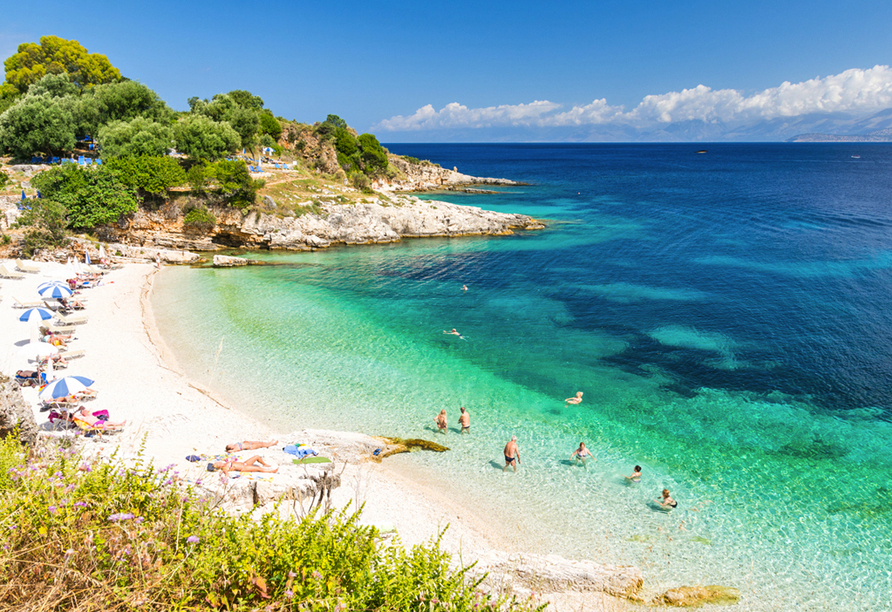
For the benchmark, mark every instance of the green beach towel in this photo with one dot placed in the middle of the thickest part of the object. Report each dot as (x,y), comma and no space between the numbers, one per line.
(311,460)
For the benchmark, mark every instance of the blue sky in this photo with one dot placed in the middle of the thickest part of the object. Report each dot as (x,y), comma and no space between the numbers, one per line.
(377,64)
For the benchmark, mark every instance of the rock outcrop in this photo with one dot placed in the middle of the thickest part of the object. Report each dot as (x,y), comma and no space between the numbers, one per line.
(523,573)
(425,176)
(693,596)
(15,413)
(379,220)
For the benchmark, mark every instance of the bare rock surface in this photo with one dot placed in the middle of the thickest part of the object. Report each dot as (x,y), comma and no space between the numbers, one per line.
(16,413)
(553,574)
(381,219)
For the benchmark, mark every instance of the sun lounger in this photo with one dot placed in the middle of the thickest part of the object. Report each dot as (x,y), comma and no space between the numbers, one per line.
(73,319)
(80,160)
(24,304)
(61,329)
(26,267)
(66,355)
(7,273)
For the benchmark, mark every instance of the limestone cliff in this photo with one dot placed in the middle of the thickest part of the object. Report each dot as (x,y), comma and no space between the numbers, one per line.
(425,176)
(374,220)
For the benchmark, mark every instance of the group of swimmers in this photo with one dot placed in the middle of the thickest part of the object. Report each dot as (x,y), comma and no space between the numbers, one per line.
(464,419)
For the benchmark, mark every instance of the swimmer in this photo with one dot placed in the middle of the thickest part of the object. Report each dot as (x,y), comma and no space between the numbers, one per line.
(465,420)
(454,332)
(464,287)
(440,420)
(575,400)
(581,453)
(636,475)
(512,454)
(667,503)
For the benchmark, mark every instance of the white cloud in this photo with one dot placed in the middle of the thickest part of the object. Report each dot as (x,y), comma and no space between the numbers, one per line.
(855,91)
(455,115)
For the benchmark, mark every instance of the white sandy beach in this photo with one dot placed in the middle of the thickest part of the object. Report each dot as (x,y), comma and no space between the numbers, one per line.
(137,380)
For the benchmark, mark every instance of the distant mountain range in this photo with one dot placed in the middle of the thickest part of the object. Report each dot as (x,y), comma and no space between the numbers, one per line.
(815,127)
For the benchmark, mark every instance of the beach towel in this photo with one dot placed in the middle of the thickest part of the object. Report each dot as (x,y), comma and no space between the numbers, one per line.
(299,452)
(311,460)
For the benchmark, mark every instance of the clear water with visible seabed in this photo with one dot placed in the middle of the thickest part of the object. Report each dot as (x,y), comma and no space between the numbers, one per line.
(727,315)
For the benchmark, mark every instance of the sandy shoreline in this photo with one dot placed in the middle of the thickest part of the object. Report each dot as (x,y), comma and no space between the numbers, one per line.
(137,379)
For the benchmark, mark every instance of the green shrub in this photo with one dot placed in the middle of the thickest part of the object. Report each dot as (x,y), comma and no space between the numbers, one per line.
(197,177)
(46,221)
(92,196)
(234,182)
(199,219)
(361,182)
(152,174)
(80,533)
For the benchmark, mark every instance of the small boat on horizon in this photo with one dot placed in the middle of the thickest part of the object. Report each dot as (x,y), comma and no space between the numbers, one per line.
(702,151)
(856,157)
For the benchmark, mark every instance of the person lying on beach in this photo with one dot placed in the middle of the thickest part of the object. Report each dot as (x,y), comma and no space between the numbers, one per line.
(93,421)
(512,454)
(581,453)
(575,400)
(249,445)
(465,420)
(636,475)
(232,465)
(440,420)
(667,503)
(71,304)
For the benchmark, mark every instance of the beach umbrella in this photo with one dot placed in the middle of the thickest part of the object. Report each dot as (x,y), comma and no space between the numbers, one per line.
(55,283)
(65,386)
(23,195)
(34,351)
(55,292)
(36,314)
(86,258)
(102,254)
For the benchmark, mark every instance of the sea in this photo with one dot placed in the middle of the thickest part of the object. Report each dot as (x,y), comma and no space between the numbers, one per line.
(726,310)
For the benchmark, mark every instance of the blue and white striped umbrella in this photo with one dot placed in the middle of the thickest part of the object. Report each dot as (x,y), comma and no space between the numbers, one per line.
(55,283)
(65,386)
(55,292)
(36,314)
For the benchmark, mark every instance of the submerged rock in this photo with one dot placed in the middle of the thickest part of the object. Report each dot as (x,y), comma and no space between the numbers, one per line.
(693,596)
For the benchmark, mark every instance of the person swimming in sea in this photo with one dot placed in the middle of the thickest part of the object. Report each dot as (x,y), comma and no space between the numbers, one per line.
(636,475)
(454,332)
(575,400)
(464,287)
(667,503)
(581,453)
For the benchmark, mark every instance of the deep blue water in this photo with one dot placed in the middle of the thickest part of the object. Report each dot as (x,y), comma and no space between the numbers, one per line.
(727,316)
(788,245)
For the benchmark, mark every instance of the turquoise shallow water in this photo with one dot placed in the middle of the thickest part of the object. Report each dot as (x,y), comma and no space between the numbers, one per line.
(726,319)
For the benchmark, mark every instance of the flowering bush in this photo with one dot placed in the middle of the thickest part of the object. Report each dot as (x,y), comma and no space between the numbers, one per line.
(96,536)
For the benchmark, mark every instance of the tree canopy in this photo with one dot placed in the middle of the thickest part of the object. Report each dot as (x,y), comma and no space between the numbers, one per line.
(92,196)
(38,124)
(202,138)
(121,102)
(139,136)
(56,55)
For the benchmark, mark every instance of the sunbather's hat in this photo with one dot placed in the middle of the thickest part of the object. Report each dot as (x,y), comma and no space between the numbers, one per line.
(193,458)
(211,467)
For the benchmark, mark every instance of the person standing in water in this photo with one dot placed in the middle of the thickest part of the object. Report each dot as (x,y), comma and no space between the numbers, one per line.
(581,453)
(575,400)
(636,475)
(440,420)
(512,454)
(465,421)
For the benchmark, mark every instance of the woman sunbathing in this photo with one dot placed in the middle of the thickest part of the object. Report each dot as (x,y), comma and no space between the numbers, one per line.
(231,465)
(84,416)
(249,445)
